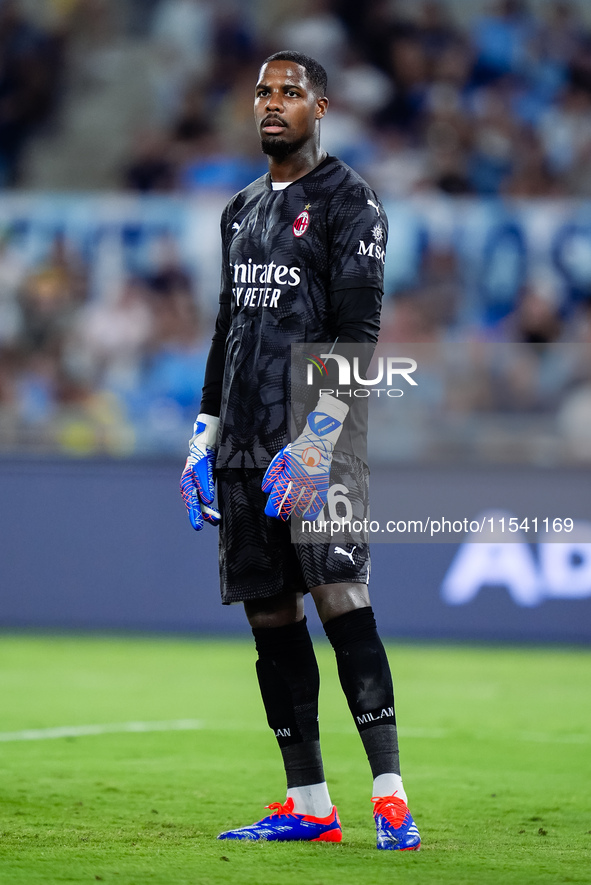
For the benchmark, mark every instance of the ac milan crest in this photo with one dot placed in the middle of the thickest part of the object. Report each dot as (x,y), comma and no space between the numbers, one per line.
(300,225)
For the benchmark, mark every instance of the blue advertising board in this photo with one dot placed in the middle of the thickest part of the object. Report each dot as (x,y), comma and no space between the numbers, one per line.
(107,546)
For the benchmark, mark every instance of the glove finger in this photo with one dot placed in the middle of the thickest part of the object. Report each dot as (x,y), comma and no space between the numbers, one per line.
(315,506)
(203,474)
(302,501)
(281,500)
(276,510)
(211,515)
(189,495)
(196,516)
(187,485)
(273,472)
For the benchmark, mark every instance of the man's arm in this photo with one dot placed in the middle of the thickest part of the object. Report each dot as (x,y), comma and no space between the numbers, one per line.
(298,477)
(197,481)
(211,397)
(357,315)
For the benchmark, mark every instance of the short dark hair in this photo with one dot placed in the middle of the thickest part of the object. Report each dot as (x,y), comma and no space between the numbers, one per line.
(314,70)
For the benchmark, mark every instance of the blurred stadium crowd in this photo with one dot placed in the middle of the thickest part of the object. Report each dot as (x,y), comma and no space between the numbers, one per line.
(435,103)
(461,98)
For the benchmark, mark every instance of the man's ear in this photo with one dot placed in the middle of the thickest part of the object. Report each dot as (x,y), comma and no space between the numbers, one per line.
(321,107)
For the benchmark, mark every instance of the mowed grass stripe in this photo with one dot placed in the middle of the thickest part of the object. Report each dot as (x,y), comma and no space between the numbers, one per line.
(494,750)
(97,729)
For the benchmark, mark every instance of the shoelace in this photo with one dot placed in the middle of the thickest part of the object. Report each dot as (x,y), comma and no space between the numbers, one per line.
(391,807)
(279,809)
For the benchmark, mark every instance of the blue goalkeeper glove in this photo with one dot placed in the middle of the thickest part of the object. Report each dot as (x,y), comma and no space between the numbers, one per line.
(197,483)
(298,477)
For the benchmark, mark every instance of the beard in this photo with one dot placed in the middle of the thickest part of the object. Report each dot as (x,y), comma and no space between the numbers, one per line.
(274,146)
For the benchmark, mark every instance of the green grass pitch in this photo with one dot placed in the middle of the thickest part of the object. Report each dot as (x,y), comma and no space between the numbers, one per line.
(495,747)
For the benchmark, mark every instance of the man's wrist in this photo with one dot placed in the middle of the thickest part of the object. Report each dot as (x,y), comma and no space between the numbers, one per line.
(206,428)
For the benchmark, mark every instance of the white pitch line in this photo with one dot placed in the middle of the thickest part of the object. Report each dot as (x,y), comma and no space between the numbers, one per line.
(62,731)
(65,731)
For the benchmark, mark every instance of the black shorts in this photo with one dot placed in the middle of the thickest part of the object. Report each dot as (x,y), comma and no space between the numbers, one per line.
(261,556)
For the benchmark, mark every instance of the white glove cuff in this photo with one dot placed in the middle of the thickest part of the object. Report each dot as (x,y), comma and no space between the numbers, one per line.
(332,406)
(208,436)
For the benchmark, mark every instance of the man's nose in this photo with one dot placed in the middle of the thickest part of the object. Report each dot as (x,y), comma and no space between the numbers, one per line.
(275,101)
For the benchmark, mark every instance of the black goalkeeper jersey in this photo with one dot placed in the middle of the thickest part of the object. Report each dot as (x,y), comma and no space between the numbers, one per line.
(287,258)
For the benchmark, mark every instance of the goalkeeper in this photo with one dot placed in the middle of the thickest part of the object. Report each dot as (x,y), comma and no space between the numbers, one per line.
(303,252)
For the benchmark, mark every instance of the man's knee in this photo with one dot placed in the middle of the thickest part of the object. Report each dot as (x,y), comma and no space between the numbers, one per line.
(275,611)
(332,600)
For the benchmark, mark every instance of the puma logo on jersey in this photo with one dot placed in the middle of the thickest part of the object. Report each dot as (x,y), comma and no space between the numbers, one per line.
(375,205)
(236,226)
(347,553)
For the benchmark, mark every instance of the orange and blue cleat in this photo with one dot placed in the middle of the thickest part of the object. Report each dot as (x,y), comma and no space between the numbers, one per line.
(283,825)
(395,828)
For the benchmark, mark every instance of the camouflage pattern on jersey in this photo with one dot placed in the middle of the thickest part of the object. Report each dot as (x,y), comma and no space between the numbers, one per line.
(257,555)
(284,253)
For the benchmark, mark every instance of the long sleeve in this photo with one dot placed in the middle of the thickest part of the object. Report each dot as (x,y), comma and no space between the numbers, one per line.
(357,314)
(211,397)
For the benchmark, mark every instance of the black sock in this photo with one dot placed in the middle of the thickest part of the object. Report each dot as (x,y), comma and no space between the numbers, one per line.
(289,681)
(365,676)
